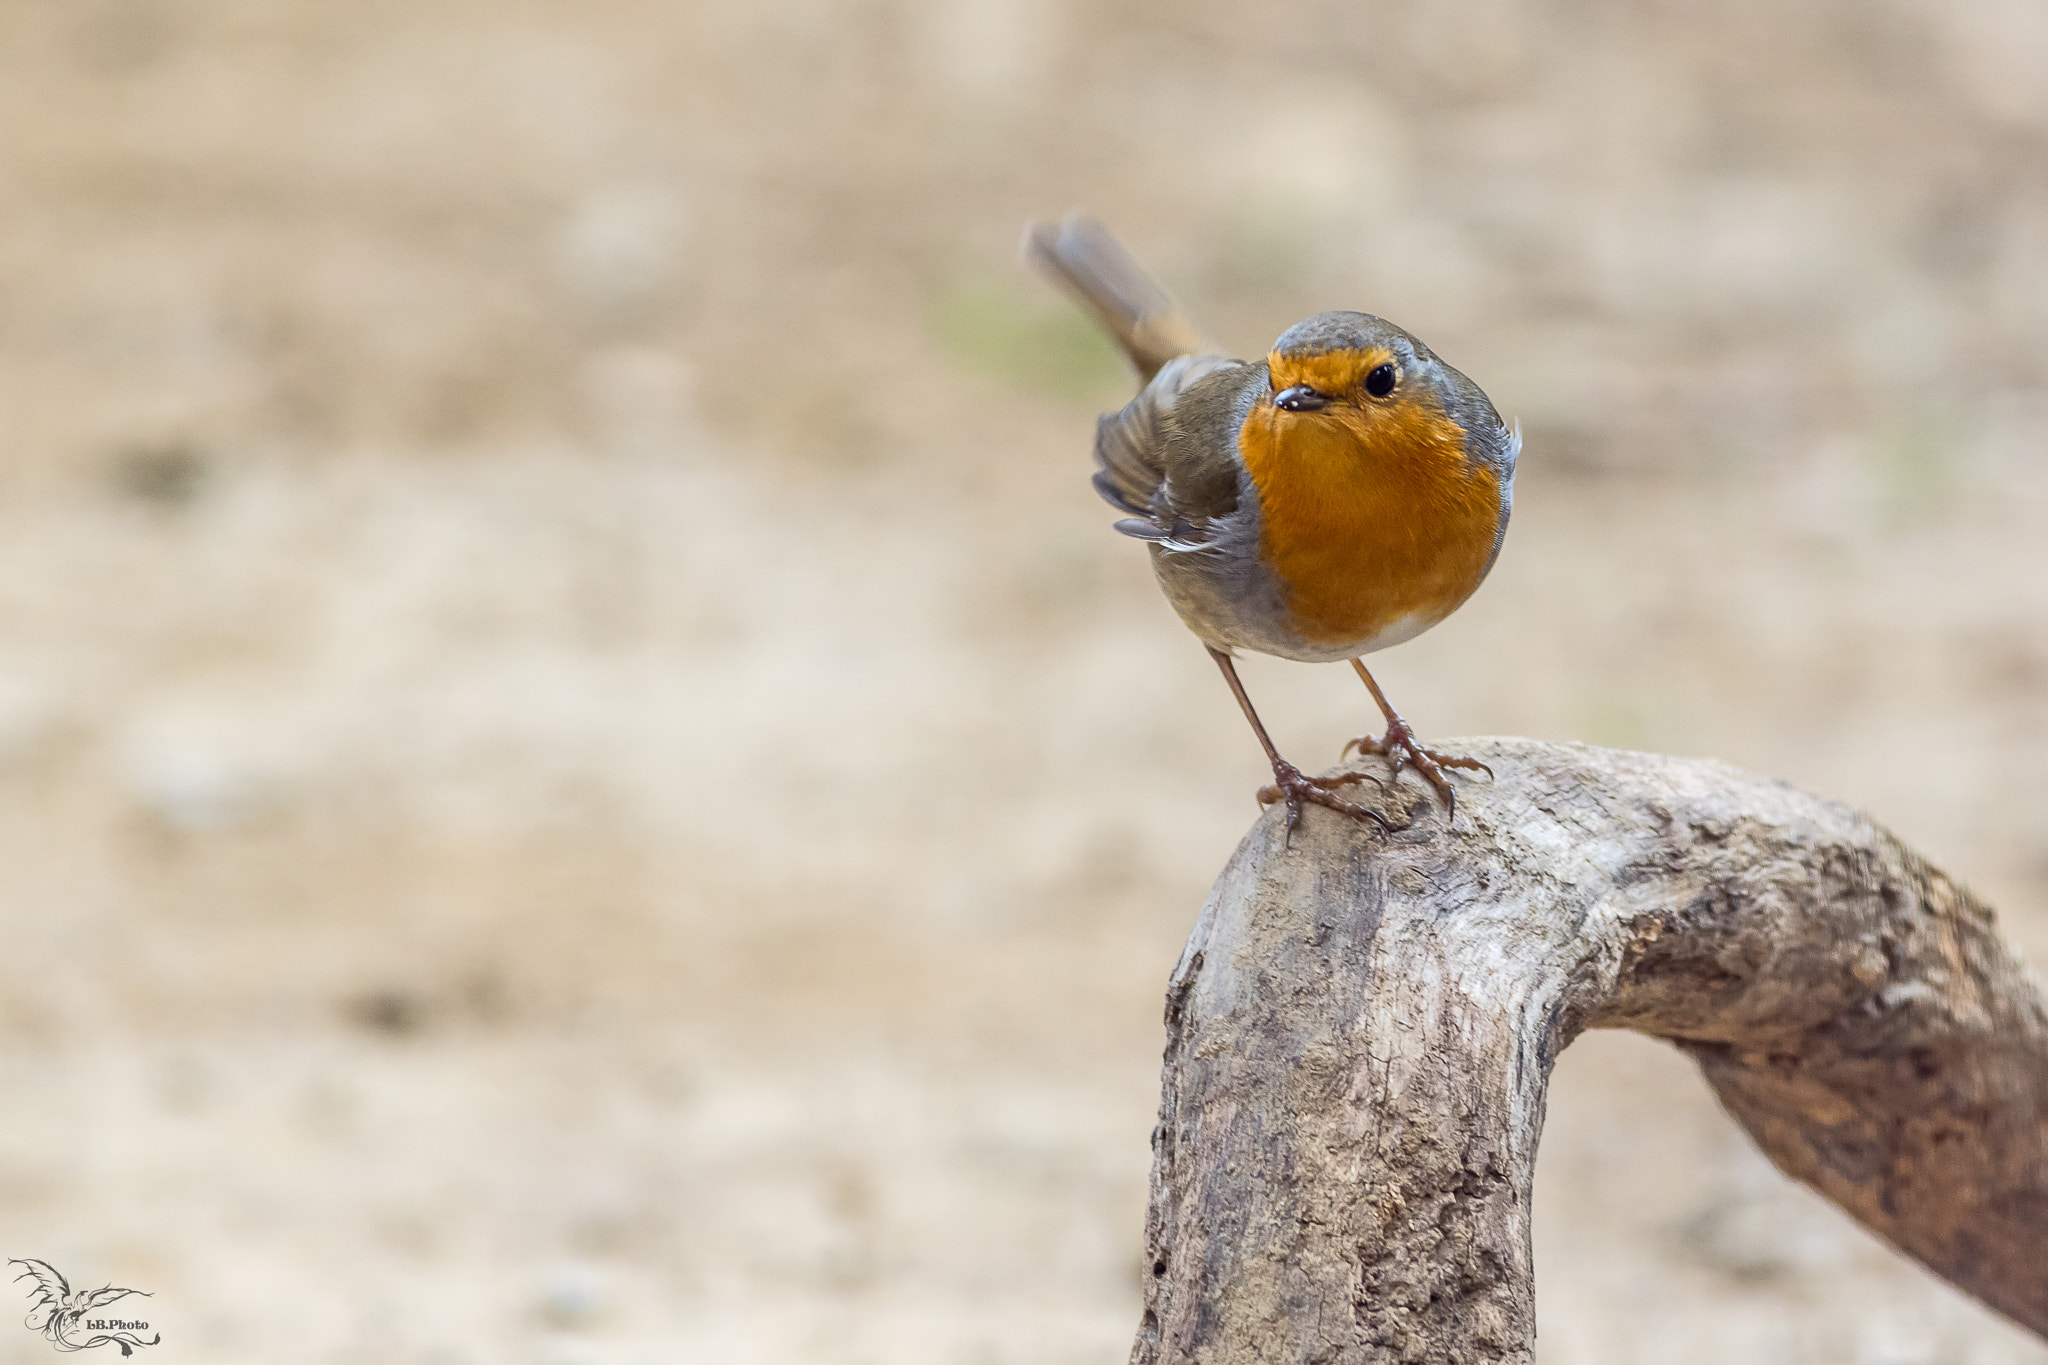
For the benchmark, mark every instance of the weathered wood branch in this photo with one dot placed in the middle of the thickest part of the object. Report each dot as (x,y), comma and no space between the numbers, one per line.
(1361,1031)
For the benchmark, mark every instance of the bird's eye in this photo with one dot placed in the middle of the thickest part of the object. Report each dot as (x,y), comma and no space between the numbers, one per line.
(1380,382)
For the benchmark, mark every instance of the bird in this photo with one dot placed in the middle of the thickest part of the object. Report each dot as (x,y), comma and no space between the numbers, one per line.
(1337,497)
(63,1311)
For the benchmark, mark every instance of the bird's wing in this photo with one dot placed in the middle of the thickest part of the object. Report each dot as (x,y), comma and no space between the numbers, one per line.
(1131,444)
(1169,458)
(50,1285)
(50,1291)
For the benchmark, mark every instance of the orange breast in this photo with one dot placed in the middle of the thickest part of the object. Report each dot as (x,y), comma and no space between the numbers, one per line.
(1374,520)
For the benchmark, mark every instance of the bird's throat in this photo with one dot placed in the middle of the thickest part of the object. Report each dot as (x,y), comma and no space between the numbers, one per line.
(1374,519)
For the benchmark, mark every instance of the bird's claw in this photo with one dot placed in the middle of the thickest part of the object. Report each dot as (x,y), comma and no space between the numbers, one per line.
(1295,787)
(1399,748)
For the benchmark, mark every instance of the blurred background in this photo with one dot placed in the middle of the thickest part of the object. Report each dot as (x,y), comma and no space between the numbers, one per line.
(583,779)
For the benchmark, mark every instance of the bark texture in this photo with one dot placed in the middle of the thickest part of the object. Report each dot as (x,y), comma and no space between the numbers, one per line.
(1362,1026)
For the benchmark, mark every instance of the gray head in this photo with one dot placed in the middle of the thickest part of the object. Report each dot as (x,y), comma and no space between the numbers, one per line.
(1366,361)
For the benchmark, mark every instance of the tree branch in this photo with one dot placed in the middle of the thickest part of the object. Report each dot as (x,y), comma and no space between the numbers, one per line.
(1362,1026)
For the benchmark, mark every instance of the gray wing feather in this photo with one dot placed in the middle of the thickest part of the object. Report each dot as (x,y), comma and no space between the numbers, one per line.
(1502,453)
(51,1288)
(1142,458)
(1127,469)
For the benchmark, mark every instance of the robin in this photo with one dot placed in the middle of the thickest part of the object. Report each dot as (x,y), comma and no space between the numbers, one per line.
(1340,496)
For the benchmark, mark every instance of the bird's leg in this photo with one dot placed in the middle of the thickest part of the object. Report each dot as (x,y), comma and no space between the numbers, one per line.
(1399,746)
(1290,784)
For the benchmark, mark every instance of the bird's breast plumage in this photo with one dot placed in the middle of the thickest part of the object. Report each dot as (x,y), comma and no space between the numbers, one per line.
(1375,522)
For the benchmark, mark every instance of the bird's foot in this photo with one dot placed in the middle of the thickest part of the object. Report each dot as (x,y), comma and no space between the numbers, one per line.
(1398,746)
(1297,788)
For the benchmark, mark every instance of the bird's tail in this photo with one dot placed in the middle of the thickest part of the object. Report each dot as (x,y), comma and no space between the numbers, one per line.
(1087,260)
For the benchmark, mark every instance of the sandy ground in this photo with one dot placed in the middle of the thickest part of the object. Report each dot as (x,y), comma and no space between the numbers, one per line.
(582,779)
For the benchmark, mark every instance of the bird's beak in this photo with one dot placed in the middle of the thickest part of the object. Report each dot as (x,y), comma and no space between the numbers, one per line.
(1300,398)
